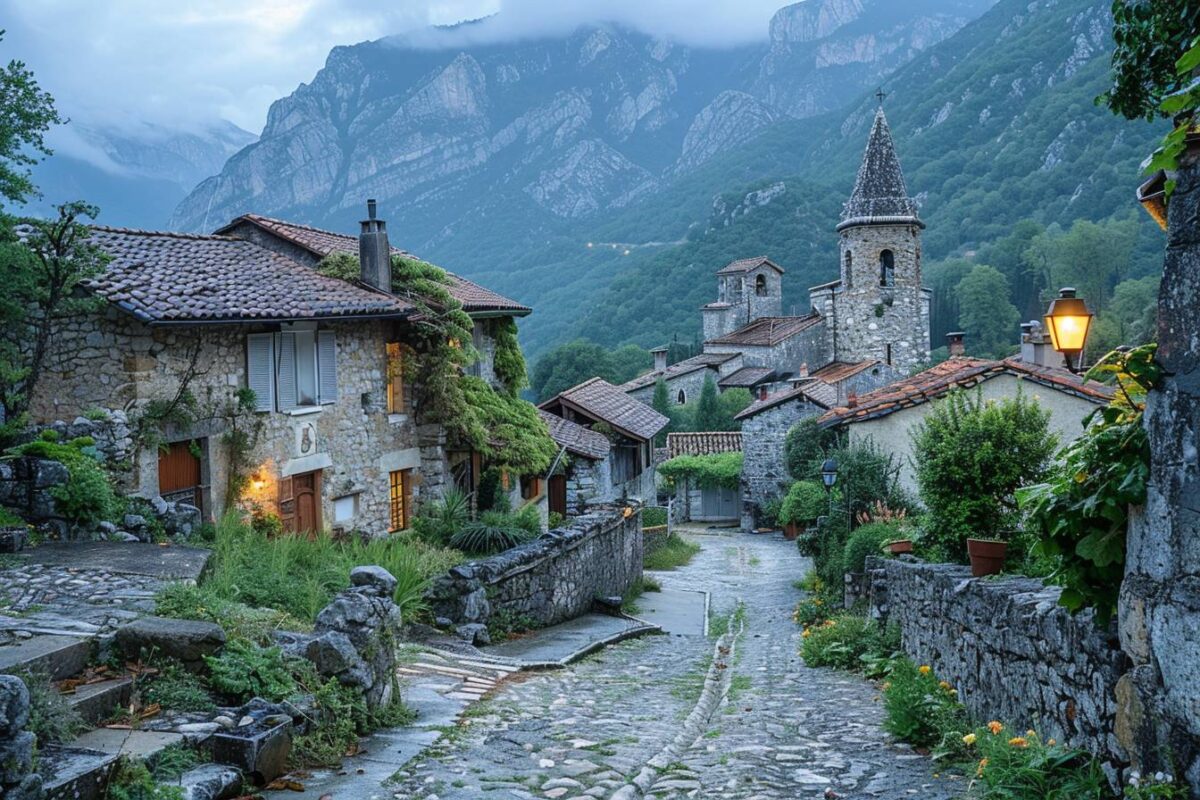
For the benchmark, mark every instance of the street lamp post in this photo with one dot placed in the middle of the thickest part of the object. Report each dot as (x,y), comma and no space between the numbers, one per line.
(829,476)
(1068,321)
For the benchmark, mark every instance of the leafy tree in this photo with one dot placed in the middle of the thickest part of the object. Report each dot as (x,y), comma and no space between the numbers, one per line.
(1129,318)
(733,402)
(1093,257)
(1007,255)
(942,278)
(1150,37)
(805,447)
(971,457)
(41,274)
(662,404)
(568,365)
(867,475)
(26,113)
(628,361)
(708,409)
(989,320)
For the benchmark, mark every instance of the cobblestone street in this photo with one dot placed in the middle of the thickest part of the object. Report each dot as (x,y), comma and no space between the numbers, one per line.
(651,717)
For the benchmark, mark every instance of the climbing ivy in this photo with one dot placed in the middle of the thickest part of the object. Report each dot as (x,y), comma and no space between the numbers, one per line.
(718,470)
(509,362)
(506,429)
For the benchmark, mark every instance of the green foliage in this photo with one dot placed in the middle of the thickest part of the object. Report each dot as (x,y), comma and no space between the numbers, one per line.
(661,403)
(867,540)
(805,448)
(176,689)
(243,670)
(299,575)
(495,531)
(239,621)
(504,428)
(717,470)
(987,318)
(26,113)
(438,520)
(803,503)
(920,709)
(1082,510)
(1155,788)
(1012,765)
(132,780)
(826,544)
(1129,319)
(708,413)
(574,362)
(88,496)
(654,516)
(174,760)
(1150,38)
(340,716)
(51,718)
(866,476)
(843,641)
(505,624)
(508,361)
(9,519)
(971,457)
(674,551)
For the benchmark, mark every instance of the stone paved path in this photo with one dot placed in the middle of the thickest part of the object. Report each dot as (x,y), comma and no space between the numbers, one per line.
(781,730)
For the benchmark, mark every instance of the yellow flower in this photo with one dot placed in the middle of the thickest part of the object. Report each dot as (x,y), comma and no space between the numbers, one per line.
(924,669)
(952,691)
(945,686)
(1051,742)
(1031,733)
(807,633)
(995,727)
(1019,741)
(969,739)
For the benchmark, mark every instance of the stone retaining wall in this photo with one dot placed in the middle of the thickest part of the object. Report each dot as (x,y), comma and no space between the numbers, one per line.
(554,578)
(1012,652)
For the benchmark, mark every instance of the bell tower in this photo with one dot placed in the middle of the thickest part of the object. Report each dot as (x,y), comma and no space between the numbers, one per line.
(881,311)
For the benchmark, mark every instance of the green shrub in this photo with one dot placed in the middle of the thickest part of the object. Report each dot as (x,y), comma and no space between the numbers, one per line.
(437,521)
(555,520)
(132,780)
(654,516)
(51,718)
(722,470)
(87,497)
(9,518)
(1016,765)
(504,623)
(492,533)
(770,512)
(174,760)
(841,641)
(176,689)
(243,670)
(340,717)
(674,551)
(971,456)
(826,543)
(240,621)
(920,709)
(867,540)
(804,502)
(1158,787)
(805,447)
(490,494)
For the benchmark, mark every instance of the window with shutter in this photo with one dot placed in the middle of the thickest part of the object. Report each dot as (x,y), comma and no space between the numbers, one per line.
(397,398)
(285,360)
(260,369)
(327,383)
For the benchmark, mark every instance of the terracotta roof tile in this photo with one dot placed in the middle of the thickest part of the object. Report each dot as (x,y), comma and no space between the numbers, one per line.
(747,264)
(838,371)
(768,331)
(959,373)
(321,243)
(703,444)
(602,401)
(576,438)
(702,361)
(813,391)
(174,278)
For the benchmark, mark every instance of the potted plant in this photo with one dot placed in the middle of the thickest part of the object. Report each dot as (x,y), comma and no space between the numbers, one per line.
(898,546)
(987,556)
(803,503)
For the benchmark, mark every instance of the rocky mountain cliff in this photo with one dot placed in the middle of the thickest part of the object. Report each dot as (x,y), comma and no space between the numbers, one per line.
(472,143)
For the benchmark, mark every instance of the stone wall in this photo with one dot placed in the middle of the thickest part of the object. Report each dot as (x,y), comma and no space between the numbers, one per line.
(764,466)
(1159,719)
(551,579)
(1012,652)
(690,383)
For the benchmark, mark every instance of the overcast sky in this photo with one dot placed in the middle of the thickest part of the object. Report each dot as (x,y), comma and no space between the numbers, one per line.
(177,62)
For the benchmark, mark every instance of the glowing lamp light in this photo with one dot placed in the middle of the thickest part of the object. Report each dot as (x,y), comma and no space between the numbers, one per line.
(258,481)
(1068,320)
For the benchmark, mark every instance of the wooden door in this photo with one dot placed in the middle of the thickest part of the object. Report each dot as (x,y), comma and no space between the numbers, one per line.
(179,474)
(558,494)
(300,503)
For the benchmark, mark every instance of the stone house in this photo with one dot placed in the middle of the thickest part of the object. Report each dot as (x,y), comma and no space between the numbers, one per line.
(888,415)
(337,439)
(629,425)
(581,476)
(765,424)
(704,503)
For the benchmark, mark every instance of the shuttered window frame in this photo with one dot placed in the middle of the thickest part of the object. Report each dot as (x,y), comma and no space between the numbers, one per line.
(271,369)
(260,370)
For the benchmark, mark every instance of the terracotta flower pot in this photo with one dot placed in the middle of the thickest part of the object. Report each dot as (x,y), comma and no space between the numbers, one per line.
(899,546)
(987,556)
(791,531)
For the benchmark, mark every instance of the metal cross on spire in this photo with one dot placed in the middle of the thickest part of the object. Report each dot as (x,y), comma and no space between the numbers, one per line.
(880,94)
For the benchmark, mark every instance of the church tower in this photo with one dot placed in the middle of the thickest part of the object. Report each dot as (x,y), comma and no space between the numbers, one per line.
(880,309)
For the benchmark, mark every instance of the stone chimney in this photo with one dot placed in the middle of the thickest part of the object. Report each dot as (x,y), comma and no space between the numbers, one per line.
(954,342)
(852,400)
(804,370)
(374,252)
(1036,348)
(660,359)
(762,393)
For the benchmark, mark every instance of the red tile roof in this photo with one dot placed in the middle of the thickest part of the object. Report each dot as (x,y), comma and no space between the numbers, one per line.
(576,438)
(768,331)
(321,243)
(164,278)
(688,365)
(819,393)
(703,444)
(747,264)
(600,400)
(838,371)
(960,373)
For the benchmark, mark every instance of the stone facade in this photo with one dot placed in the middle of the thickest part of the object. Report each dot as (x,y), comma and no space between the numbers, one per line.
(764,468)
(589,483)
(111,361)
(685,387)
(1011,650)
(1159,718)
(743,297)
(551,579)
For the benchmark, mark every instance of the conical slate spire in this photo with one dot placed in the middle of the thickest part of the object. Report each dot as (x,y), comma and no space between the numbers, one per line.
(879,195)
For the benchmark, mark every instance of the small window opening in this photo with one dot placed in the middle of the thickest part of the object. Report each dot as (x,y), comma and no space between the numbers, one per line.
(760,286)
(887,268)
(681,398)
(849,260)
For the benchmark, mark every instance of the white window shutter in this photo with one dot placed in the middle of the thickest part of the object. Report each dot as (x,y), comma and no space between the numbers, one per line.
(327,383)
(285,381)
(260,370)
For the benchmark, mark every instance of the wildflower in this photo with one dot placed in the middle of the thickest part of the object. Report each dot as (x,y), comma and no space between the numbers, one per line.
(995,727)
(887,685)
(1050,742)
(969,739)
(952,692)
(944,685)
(1019,741)
(807,633)
(983,762)
(1031,733)
(924,669)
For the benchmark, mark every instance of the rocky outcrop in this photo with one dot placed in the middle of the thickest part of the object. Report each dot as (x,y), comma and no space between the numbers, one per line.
(18,781)
(732,119)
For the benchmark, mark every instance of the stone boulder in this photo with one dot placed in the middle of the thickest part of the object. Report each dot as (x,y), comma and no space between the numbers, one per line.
(355,636)
(16,744)
(211,782)
(185,640)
